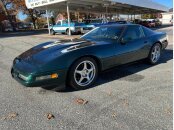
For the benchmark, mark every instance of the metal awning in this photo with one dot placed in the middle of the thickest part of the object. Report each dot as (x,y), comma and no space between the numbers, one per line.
(99,6)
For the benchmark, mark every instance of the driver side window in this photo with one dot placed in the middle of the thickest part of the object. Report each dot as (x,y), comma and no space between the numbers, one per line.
(132,33)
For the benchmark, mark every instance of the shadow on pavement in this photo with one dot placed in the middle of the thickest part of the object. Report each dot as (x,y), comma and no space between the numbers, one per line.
(161,27)
(23,33)
(40,33)
(45,31)
(125,72)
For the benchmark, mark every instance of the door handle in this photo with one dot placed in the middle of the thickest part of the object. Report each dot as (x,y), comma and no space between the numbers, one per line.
(146,42)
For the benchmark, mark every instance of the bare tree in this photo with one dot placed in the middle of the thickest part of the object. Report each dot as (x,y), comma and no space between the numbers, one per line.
(5,4)
(34,14)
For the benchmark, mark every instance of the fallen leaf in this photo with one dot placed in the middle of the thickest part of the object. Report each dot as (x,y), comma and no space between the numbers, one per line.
(114,114)
(109,93)
(50,116)
(168,111)
(81,101)
(125,102)
(10,116)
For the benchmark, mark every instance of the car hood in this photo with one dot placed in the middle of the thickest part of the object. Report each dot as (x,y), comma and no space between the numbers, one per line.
(49,51)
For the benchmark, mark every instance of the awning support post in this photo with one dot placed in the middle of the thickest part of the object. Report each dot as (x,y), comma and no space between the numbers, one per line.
(131,17)
(69,23)
(78,16)
(106,12)
(48,21)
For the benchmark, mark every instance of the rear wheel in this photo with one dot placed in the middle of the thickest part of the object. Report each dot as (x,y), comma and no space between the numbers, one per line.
(83,73)
(155,54)
(67,32)
(52,32)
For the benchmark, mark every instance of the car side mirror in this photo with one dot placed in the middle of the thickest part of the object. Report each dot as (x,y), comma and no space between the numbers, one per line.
(123,41)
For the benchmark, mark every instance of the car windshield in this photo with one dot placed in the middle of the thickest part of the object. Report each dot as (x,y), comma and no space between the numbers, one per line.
(96,21)
(121,22)
(104,33)
(93,21)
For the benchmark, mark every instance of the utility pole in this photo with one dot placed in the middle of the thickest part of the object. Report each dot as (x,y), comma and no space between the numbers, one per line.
(48,21)
(69,22)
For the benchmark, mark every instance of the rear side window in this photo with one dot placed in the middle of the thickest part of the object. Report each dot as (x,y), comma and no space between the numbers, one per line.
(147,31)
(133,33)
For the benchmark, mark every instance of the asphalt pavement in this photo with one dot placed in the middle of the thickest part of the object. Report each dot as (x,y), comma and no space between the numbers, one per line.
(131,97)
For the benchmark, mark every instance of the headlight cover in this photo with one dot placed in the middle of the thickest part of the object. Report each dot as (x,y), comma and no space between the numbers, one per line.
(25,78)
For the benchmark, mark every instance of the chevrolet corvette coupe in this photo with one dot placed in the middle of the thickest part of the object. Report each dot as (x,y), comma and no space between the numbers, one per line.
(78,62)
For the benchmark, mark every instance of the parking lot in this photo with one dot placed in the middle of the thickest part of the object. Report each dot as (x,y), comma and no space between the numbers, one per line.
(131,97)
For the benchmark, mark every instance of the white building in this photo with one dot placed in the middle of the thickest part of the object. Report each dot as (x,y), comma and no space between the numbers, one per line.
(167,18)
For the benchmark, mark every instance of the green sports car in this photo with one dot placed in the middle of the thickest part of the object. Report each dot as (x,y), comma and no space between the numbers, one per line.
(78,62)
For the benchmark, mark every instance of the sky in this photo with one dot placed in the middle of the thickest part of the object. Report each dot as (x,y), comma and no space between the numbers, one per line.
(168,3)
(21,16)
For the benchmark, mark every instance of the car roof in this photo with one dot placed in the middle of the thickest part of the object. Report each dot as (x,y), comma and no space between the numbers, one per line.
(121,21)
(121,25)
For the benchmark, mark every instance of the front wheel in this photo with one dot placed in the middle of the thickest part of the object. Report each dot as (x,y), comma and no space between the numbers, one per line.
(83,73)
(155,54)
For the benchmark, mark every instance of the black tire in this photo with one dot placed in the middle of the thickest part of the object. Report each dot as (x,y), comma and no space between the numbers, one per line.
(150,57)
(80,32)
(52,32)
(67,32)
(71,75)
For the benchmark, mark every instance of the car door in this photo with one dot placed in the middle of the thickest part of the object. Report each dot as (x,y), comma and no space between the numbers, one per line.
(58,27)
(132,45)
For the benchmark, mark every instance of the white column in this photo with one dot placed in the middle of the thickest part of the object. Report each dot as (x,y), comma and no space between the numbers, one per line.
(106,12)
(69,22)
(131,17)
(78,16)
(48,21)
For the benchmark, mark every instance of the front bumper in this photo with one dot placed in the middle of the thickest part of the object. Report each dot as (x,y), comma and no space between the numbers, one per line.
(86,29)
(77,30)
(39,83)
